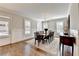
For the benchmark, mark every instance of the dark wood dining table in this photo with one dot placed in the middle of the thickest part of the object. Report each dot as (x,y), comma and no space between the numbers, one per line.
(42,37)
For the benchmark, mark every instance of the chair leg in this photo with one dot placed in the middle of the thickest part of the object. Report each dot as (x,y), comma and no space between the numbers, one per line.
(38,42)
(49,39)
(42,41)
(46,40)
(35,42)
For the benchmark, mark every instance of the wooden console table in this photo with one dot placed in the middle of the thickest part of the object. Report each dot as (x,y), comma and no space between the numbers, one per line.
(67,40)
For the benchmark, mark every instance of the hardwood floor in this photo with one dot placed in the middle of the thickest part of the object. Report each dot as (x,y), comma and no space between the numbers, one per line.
(21,49)
(53,48)
(27,48)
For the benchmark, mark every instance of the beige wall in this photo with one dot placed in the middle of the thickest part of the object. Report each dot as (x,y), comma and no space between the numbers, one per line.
(16,28)
(74,22)
(74,17)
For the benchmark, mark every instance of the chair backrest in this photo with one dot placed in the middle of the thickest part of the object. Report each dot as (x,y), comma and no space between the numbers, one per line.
(38,36)
(66,40)
(35,34)
(41,32)
(51,34)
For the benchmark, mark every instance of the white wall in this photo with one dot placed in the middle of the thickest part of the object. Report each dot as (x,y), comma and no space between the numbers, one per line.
(52,24)
(16,28)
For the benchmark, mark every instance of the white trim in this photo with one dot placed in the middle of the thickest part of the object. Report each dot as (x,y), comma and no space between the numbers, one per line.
(5,17)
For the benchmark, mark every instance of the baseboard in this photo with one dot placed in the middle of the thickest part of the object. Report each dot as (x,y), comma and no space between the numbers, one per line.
(18,41)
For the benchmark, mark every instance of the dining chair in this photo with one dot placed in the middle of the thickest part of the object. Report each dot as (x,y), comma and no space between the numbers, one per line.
(35,36)
(38,37)
(51,37)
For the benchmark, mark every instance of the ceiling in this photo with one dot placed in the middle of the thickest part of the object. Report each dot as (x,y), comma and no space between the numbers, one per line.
(38,11)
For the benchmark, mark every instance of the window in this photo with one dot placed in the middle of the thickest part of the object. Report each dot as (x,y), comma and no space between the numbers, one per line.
(45,25)
(59,27)
(4,29)
(27,27)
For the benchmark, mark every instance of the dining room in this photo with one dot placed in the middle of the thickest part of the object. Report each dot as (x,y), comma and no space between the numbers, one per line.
(39,29)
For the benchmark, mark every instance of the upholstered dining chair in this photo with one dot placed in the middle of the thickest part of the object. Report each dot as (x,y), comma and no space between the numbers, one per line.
(35,36)
(38,37)
(51,36)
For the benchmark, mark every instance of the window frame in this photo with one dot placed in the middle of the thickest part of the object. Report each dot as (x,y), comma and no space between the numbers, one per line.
(28,26)
(9,26)
(62,23)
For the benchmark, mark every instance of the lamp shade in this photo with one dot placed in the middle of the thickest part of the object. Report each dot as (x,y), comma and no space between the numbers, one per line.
(46,29)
